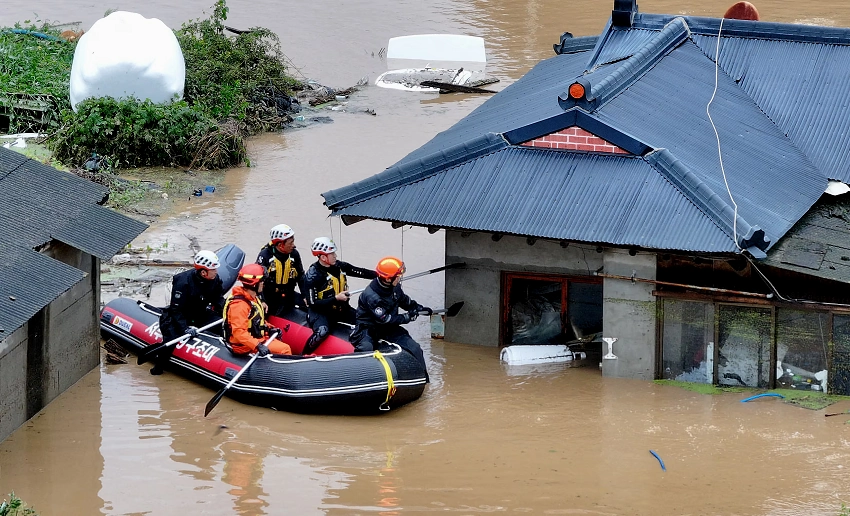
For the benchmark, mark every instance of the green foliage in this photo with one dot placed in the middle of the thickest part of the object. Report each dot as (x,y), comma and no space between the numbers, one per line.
(235,86)
(814,400)
(137,134)
(845,510)
(15,507)
(234,77)
(34,78)
(701,388)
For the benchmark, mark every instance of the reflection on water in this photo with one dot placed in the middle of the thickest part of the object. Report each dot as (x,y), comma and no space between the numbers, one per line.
(484,438)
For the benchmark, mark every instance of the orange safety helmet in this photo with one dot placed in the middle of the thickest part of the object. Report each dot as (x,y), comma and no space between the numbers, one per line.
(390,267)
(252,274)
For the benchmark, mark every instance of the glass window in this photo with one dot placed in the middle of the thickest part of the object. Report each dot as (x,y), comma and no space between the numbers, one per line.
(584,308)
(802,347)
(744,340)
(542,309)
(687,349)
(535,311)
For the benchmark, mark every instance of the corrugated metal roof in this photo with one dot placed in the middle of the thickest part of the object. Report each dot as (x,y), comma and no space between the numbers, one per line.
(619,44)
(532,98)
(667,109)
(800,96)
(38,204)
(780,111)
(567,195)
(30,281)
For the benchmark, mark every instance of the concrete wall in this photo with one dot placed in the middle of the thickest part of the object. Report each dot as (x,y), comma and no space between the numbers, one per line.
(13,381)
(629,314)
(55,348)
(479,283)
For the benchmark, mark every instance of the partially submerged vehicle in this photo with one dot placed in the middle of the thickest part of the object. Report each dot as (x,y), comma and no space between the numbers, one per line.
(434,62)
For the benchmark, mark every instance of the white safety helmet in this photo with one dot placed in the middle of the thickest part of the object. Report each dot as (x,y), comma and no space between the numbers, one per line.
(323,245)
(206,260)
(281,233)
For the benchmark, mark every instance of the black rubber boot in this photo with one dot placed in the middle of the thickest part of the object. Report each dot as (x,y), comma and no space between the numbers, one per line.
(157,370)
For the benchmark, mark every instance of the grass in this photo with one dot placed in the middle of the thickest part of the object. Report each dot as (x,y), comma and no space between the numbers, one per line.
(701,388)
(813,400)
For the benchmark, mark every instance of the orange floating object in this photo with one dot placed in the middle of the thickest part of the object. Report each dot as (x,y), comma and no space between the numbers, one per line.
(742,11)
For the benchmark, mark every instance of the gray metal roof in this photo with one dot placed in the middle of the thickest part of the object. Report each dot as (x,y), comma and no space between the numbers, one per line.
(627,208)
(39,204)
(30,281)
(780,110)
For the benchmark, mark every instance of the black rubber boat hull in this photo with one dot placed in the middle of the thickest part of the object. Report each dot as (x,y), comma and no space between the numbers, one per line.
(355,383)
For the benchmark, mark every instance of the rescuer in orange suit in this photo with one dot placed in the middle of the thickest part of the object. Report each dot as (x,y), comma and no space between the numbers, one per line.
(245,319)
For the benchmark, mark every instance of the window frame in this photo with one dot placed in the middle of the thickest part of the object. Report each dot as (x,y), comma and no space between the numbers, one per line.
(717,301)
(507,278)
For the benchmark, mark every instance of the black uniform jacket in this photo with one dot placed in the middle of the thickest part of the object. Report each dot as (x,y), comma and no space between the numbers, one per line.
(195,301)
(324,283)
(274,292)
(379,304)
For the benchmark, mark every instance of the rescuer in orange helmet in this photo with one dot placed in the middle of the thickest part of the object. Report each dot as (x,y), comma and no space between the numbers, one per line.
(245,319)
(377,312)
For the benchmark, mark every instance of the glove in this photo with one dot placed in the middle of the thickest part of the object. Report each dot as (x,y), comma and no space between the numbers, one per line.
(412,315)
(262,350)
(192,331)
(428,311)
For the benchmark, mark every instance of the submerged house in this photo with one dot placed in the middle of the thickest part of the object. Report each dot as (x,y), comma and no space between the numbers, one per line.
(53,235)
(677,183)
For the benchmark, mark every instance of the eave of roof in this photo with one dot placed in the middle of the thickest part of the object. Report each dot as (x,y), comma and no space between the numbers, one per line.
(39,204)
(635,93)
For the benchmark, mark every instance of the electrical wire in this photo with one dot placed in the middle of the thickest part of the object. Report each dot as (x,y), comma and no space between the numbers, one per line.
(729,190)
(717,136)
(789,299)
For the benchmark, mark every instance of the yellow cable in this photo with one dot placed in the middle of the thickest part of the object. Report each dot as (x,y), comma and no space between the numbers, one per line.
(390,384)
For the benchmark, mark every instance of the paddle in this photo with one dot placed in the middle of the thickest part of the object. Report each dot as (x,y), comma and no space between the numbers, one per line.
(418,275)
(220,394)
(153,350)
(450,311)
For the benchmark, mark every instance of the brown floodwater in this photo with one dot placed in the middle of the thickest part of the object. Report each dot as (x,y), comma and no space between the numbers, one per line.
(484,438)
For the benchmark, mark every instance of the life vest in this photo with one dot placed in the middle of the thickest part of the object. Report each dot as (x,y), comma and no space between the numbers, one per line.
(334,286)
(283,271)
(256,319)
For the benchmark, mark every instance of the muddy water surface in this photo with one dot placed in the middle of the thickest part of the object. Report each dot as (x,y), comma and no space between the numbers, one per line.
(484,438)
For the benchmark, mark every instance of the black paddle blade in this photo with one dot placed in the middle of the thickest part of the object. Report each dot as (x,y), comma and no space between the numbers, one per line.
(150,351)
(454,309)
(214,401)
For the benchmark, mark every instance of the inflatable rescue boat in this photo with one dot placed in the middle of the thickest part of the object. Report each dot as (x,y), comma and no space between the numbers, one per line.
(336,380)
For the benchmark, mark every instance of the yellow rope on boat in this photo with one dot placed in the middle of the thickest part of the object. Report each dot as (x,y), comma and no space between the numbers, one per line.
(390,383)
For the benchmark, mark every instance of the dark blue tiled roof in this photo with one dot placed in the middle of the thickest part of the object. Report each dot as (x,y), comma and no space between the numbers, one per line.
(39,204)
(780,109)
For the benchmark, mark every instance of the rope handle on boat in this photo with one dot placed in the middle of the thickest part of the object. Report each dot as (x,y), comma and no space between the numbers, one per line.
(390,384)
